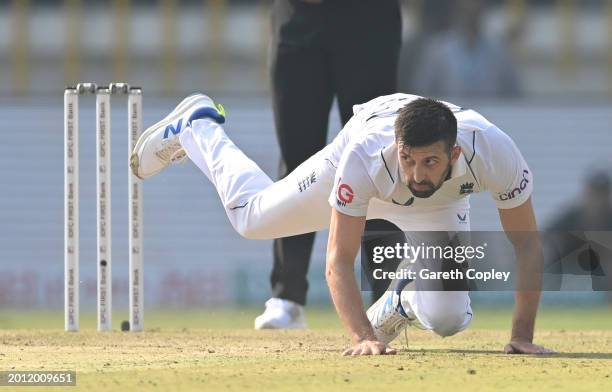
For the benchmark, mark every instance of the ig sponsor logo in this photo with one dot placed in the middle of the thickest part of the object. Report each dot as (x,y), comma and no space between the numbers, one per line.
(345,194)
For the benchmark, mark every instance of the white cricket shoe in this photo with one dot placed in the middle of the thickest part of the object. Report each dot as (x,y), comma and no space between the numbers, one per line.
(281,314)
(388,317)
(159,145)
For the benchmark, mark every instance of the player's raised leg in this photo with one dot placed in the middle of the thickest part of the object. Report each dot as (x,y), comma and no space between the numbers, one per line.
(257,207)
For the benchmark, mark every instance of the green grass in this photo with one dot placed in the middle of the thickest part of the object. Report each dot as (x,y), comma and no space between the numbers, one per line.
(550,318)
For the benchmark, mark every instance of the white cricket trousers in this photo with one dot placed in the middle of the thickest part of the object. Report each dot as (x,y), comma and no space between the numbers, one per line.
(259,208)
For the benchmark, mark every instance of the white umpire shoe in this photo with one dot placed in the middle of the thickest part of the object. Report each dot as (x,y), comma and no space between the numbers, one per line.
(388,316)
(159,145)
(281,314)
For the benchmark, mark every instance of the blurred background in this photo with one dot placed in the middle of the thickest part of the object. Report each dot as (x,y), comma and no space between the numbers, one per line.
(540,69)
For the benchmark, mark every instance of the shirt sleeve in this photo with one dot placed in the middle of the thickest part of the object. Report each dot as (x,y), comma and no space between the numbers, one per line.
(353,187)
(508,178)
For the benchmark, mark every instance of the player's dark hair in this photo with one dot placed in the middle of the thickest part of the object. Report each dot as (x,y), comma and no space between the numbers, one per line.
(425,121)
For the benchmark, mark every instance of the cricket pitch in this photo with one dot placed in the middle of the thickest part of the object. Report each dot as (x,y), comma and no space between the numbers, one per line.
(225,358)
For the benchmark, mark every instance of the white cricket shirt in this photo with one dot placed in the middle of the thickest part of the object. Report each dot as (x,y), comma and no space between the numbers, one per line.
(366,157)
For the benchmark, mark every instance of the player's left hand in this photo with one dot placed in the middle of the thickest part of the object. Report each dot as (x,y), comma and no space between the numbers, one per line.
(369,347)
(519,347)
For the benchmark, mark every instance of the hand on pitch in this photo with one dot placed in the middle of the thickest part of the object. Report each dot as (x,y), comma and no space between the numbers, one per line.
(369,347)
(518,347)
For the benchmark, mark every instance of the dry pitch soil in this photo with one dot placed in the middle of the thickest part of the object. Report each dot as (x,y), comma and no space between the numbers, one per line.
(222,358)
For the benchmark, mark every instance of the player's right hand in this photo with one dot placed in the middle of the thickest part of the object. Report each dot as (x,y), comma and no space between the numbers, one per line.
(370,347)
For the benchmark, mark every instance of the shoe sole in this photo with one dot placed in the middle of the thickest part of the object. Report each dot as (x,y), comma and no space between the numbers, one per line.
(175,114)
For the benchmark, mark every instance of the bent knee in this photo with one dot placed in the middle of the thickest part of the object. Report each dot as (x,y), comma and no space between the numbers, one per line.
(246,233)
(448,323)
(250,232)
(450,328)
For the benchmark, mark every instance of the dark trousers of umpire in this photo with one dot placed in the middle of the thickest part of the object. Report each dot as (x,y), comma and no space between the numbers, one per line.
(343,49)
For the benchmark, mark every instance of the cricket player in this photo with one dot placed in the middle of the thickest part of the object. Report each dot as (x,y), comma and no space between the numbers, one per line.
(405,159)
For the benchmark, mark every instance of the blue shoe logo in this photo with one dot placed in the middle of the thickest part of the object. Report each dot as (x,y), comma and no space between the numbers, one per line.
(400,308)
(170,128)
(388,305)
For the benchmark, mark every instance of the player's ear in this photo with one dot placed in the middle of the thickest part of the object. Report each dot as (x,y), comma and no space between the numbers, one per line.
(455,152)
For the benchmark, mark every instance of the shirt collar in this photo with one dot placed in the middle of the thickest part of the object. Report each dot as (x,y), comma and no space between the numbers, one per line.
(460,167)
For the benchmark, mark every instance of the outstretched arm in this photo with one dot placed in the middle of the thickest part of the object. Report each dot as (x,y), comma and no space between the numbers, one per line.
(344,239)
(520,226)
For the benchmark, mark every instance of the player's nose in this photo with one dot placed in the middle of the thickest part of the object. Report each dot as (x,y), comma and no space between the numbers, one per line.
(418,175)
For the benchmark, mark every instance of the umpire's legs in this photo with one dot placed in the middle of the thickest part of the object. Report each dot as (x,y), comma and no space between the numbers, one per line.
(302,97)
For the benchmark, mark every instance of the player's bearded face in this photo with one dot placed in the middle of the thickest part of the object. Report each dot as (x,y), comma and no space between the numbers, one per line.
(424,169)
